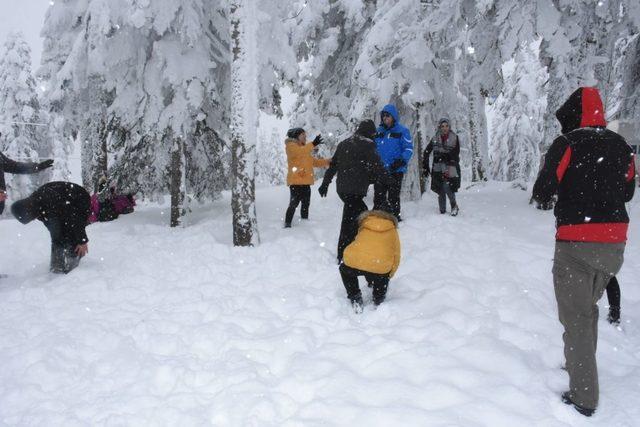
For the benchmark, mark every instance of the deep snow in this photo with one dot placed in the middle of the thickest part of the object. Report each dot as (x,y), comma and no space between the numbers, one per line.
(164,326)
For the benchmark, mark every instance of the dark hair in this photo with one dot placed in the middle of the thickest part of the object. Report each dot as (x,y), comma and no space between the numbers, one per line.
(294,133)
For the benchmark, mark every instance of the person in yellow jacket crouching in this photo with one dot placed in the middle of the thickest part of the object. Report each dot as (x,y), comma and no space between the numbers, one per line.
(374,254)
(300,178)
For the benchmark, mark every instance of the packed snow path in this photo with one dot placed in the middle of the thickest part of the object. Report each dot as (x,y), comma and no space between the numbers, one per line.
(175,327)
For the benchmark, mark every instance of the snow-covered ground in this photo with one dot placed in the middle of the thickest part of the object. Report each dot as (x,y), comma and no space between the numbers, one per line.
(178,328)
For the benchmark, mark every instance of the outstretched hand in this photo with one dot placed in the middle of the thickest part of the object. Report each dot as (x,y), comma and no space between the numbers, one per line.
(317,141)
(82,250)
(45,164)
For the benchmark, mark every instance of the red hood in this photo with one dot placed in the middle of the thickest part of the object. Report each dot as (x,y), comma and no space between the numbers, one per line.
(583,109)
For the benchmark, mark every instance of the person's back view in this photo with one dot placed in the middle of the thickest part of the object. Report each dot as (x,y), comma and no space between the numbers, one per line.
(592,171)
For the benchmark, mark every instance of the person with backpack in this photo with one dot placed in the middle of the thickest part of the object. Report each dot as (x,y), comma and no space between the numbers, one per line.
(445,172)
(592,171)
(358,165)
(374,254)
(395,147)
(300,177)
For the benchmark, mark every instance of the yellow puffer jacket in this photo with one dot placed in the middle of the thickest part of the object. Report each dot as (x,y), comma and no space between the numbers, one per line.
(376,248)
(301,163)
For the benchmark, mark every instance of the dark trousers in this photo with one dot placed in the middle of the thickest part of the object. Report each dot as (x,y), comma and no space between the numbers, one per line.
(389,192)
(613,292)
(354,205)
(63,251)
(445,191)
(379,283)
(299,194)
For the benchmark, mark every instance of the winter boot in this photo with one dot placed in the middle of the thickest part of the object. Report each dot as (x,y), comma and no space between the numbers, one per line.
(357,304)
(614,315)
(287,225)
(566,399)
(455,210)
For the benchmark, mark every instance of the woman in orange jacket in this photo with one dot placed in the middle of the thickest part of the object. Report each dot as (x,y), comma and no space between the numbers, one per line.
(374,254)
(300,177)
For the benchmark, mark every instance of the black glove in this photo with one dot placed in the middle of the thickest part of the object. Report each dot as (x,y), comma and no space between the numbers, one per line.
(317,141)
(397,164)
(323,190)
(45,165)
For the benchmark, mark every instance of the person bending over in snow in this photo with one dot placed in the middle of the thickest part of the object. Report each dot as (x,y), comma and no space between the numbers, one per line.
(374,254)
(395,147)
(22,168)
(107,205)
(357,165)
(592,170)
(64,209)
(445,173)
(300,176)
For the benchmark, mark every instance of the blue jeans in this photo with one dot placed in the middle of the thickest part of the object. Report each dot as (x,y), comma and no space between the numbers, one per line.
(445,192)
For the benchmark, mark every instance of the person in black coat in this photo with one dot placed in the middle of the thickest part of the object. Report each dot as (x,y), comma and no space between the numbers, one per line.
(358,165)
(64,208)
(11,166)
(445,173)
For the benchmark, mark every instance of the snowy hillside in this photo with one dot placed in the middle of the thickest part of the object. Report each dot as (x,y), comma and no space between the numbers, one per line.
(176,327)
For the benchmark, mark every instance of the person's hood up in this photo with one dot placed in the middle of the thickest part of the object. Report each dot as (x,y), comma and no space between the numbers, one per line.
(379,221)
(393,111)
(584,108)
(24,210)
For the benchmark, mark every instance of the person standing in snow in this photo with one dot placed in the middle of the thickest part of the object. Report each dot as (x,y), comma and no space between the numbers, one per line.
(374,254)
(395,147)
(64,208)
(357,164)
(300,176)
(445,173)
(11,166)
(592,171)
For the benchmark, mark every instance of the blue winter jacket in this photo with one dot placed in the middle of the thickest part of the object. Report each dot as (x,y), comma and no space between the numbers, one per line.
(394,143)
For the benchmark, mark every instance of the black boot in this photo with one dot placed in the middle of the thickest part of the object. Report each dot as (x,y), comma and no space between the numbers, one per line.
(581,409)
(358,304)
(614,315)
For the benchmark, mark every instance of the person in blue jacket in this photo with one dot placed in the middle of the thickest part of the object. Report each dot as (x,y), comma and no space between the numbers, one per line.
(395,147)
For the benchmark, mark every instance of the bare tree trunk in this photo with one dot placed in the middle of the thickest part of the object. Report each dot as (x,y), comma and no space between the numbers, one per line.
(178,183)
(477,135)
(419,145)
(243,122)
(94,153)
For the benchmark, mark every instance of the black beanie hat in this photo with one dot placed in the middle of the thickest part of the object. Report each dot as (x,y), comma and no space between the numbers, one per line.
(24,210)
(367,129)
(294,133)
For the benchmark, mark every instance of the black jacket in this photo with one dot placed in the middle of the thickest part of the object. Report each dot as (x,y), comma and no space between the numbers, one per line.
(11,166)
(64,202)
(591,169)
(451,158)
(357,163)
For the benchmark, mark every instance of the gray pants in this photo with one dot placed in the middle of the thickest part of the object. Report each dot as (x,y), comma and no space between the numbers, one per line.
(581,272)
(445,192)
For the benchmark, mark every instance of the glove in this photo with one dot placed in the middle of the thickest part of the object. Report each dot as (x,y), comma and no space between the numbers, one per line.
(397,164)
(323,190)
(45,164)
(317,141)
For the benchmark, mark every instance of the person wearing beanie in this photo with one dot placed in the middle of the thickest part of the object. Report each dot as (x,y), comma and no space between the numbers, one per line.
(358,165)
(64,208)
(445,172)
(374,254)
(23,168)
(300,178)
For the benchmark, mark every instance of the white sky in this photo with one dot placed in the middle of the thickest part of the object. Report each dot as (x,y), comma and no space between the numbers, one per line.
(26,16)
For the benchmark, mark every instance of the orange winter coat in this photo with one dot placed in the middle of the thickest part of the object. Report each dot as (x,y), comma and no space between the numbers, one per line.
(300,162)
(376,248)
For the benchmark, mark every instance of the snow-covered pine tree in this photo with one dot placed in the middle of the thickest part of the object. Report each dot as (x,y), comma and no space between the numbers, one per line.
(23,137)
(244,116)
(518,113)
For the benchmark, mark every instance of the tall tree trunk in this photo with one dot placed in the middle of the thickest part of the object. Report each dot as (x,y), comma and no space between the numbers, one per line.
(419,144)
(178,181)
(477,135)
(94,153)
(244,116)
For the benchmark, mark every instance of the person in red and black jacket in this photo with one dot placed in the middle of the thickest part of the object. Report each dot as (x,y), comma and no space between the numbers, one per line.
(592,171)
